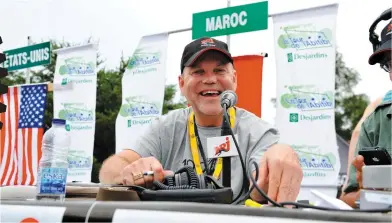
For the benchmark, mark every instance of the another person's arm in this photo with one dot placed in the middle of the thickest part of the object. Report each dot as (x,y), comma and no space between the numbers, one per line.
(355,135)
(352,191)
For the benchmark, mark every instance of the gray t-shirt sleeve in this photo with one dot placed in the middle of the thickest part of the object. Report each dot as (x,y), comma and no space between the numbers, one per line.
(149,143)
(262,136)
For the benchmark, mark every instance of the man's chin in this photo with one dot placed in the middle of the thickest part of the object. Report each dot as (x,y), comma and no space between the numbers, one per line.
(213,111)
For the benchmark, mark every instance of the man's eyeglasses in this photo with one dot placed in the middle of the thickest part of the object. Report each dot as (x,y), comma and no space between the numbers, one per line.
(386,64)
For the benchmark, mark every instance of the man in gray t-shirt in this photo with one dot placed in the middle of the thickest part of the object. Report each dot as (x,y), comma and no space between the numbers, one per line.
(168,141)
(171,141)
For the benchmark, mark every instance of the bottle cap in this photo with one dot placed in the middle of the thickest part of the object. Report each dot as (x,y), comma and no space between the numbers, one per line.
(58,121)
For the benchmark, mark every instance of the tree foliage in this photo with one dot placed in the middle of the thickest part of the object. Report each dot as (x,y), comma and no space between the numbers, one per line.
(109,98)
(349,106)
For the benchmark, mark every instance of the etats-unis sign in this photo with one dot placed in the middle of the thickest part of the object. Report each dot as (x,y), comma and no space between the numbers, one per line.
(26,57)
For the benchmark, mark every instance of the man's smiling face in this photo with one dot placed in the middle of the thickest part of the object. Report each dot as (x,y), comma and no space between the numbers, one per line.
(205,80)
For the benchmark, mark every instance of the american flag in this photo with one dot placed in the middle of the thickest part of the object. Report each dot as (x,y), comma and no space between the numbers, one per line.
(21,135)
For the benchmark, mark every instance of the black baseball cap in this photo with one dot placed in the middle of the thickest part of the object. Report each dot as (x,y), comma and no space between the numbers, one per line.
(385,45)
(196,48)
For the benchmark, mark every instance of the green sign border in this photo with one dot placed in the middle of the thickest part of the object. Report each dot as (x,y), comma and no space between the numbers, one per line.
(257,19)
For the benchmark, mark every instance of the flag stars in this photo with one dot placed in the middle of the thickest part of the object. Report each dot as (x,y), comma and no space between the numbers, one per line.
(32,106)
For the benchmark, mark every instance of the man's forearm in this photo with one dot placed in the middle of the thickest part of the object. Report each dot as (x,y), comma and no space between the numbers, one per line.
(112,167)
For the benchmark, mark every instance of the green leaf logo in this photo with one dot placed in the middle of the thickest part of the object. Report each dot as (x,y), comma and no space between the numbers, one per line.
(286,100)
(63,70)
(281,42)
(63,114)
(124,110)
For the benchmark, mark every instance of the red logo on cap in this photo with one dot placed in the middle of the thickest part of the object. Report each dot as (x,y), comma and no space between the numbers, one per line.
(206,41)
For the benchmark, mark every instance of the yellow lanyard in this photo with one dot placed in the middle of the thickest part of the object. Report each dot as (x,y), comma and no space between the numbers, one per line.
(194,147)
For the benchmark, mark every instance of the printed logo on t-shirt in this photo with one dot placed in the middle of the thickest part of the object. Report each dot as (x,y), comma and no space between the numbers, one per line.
(222,146)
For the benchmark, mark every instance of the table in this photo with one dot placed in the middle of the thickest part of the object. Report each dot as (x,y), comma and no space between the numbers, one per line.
(139,211)
(81,206)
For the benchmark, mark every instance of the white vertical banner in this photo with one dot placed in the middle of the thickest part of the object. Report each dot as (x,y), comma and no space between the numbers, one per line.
(305,47)
(74,99)
(143,89)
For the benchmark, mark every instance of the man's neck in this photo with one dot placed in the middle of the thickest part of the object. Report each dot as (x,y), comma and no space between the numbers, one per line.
(208,120)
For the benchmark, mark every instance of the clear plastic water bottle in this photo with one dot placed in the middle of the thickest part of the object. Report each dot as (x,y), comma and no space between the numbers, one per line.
(53,166)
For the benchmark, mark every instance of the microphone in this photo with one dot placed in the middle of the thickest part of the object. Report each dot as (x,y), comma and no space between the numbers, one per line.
(228,99)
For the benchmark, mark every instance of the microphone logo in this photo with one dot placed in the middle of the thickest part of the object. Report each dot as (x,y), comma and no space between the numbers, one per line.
(224,147)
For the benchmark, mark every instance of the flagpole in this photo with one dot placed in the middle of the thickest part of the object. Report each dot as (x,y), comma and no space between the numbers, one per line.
(28,69)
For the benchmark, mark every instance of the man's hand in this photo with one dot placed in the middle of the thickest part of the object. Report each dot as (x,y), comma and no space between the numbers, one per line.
(280,174)
(358,163)
(133,174)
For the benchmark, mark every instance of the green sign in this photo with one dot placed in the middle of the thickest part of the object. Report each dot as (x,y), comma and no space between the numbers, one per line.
(29,56)
(226,21)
